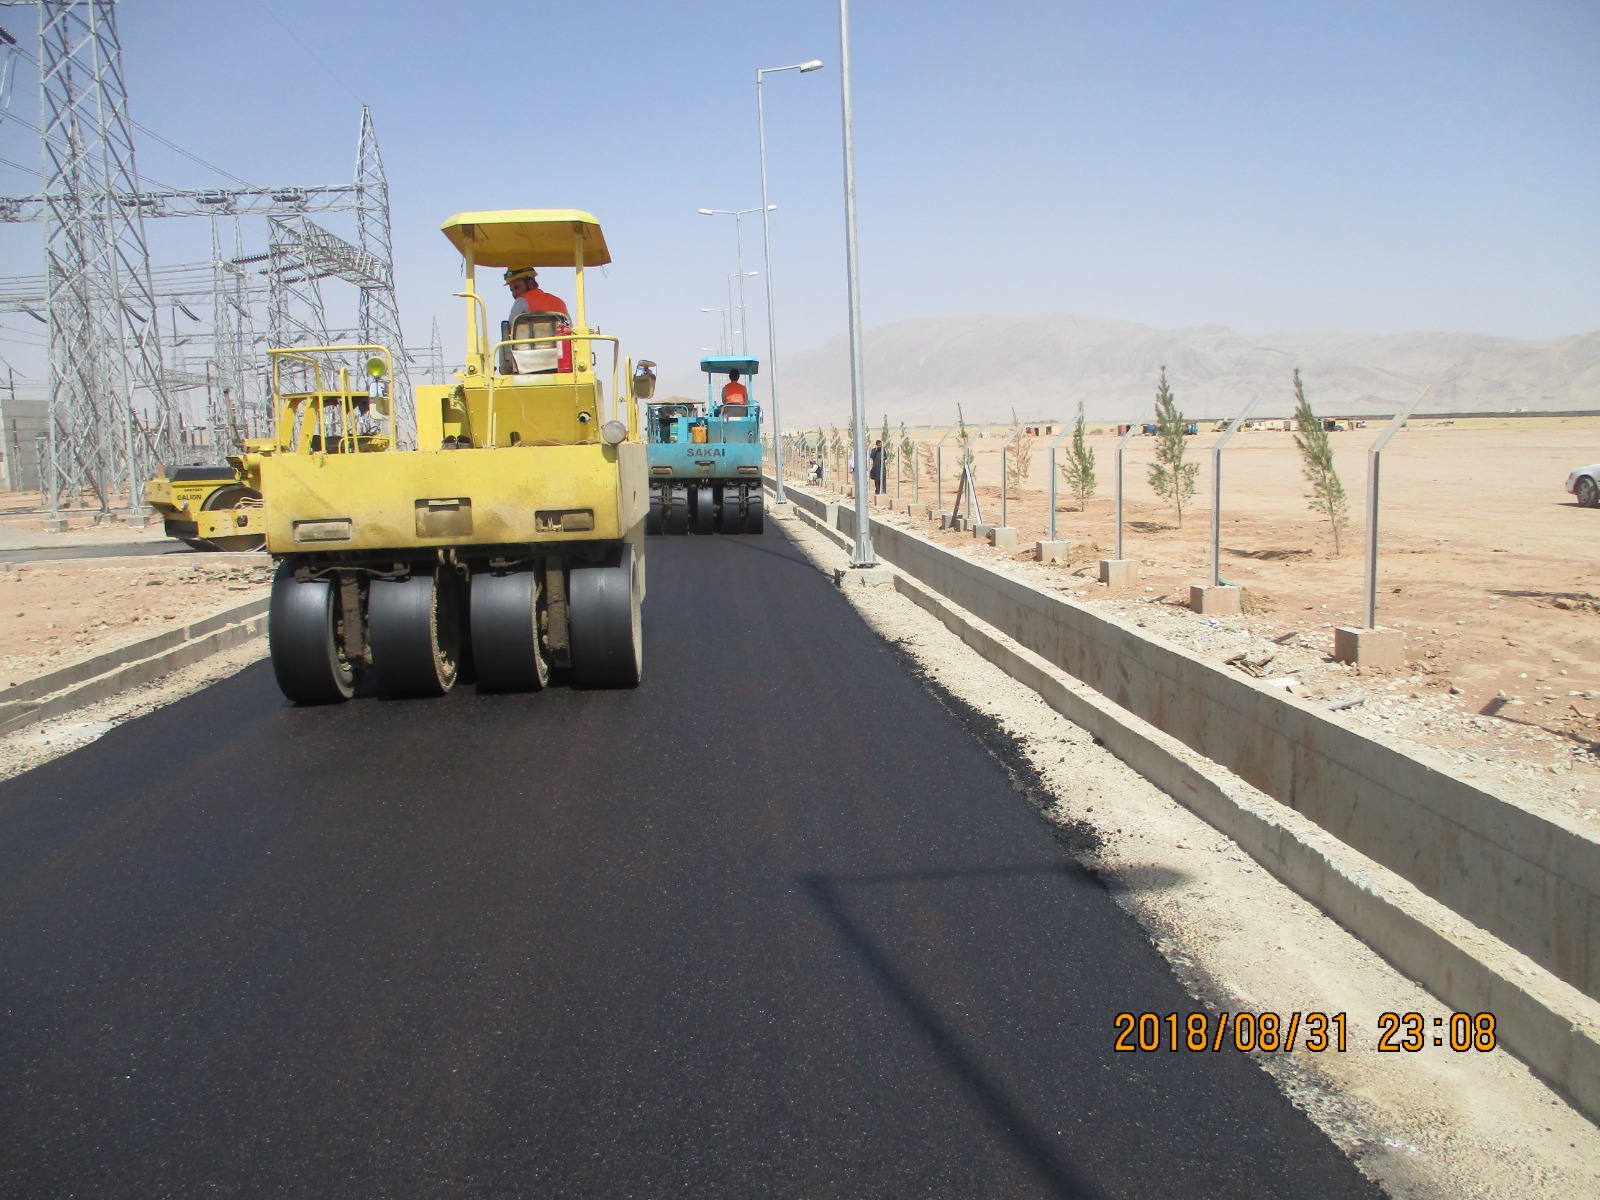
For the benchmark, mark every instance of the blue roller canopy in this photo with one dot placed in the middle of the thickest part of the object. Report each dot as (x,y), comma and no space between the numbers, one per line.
(721,364)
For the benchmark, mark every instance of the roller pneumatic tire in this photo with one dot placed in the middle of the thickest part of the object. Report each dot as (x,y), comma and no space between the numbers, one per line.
(705,509)
(415,632)
(732,513)
(229,497)
(606,637)
(653,519)
(755,520)
(302,640)
(676,518)
(1588,493)
(506,645)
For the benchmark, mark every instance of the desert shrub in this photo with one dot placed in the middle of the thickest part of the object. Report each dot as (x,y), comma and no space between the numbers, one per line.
(1316,461)
(1170,477)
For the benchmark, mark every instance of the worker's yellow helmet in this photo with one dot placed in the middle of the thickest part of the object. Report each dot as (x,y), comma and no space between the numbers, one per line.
(521,273)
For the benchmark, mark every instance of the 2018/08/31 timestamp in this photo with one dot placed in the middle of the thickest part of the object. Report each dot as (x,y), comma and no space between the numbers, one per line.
(1313,1031)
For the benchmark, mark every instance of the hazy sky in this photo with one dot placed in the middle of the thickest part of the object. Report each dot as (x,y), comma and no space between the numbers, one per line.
(1342,164)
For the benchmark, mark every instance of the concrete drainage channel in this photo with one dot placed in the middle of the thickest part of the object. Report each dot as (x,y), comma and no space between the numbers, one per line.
(1412,922)
(115,671)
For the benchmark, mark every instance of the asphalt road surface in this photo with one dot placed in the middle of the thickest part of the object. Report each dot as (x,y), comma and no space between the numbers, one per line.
(773,924)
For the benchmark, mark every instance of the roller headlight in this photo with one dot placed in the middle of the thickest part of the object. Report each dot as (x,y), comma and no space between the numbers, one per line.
(614,432)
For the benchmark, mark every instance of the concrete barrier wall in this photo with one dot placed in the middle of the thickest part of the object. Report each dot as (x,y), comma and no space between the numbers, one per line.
(1529,880)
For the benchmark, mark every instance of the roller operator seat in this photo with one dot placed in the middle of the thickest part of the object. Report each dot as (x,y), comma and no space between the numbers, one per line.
(539,357)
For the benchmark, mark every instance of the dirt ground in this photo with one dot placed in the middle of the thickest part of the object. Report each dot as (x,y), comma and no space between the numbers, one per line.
(55,613)
(1434,1124)
(1483,563)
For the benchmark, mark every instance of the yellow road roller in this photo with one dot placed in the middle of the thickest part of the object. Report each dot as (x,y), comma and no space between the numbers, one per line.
(212,508)
(509,542)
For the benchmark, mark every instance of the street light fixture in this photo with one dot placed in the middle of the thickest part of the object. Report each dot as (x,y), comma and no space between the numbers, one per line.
(804,68)
(725,343)
(737,214)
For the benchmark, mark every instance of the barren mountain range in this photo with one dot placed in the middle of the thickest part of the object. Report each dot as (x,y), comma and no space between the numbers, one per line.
(919,370)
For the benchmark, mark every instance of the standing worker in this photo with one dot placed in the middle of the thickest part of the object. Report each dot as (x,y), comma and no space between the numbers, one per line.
(876,471)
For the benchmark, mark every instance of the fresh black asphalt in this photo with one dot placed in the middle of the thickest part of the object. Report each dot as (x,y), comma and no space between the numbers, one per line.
(773,924)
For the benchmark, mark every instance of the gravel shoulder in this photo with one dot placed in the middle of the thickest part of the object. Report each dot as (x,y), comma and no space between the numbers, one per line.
(1428,1124)
(34,745)
(56,613)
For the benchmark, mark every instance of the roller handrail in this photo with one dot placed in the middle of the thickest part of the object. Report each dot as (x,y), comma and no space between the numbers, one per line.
(303,354)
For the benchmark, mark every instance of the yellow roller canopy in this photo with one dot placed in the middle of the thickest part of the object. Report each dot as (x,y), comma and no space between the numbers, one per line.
(527,237)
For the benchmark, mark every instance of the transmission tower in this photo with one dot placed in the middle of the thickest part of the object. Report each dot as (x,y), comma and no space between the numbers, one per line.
(380,313)
(97,296)
(235,407)
(104,332)
(436,373)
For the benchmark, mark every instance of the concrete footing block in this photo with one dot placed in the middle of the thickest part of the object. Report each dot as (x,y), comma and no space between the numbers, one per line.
(1047,552)
(830,515)
(926,512)
(1214,599)
(863,577)
(1380,649)
(982,531)
(1002,536)
(1119,572)
(54,525)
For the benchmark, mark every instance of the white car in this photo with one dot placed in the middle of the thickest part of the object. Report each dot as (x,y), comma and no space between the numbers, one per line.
(1584,483)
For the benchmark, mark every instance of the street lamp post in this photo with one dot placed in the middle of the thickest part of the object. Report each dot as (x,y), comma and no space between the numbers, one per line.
(862,556)
(738,236)
(766,238)
(740,276)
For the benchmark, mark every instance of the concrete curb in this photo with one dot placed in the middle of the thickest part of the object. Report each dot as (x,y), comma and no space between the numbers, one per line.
(1549,1024)
(130,666)
(89,562)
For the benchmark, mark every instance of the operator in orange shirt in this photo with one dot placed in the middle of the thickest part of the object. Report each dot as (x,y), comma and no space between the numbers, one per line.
(529,297)
(734,392)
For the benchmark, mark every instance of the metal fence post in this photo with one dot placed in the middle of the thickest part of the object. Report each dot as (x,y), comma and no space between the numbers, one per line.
(1053,477)
(1005,448)
(1374,462)
(1122,442)
(938,469)
(1216,489)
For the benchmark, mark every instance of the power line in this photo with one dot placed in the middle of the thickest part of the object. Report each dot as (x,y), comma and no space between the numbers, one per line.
(332,74)
(23,52)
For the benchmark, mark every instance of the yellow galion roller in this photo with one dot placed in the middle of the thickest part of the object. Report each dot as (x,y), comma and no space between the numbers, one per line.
(505,528)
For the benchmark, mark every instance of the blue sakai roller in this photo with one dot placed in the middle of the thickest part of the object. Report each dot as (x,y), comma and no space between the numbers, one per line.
(705,460)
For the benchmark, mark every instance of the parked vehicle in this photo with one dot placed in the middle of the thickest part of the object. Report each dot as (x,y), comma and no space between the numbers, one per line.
(1584,483)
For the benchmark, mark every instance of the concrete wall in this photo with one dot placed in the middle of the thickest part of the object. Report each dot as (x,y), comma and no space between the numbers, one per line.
(21,421)
(1531,881)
